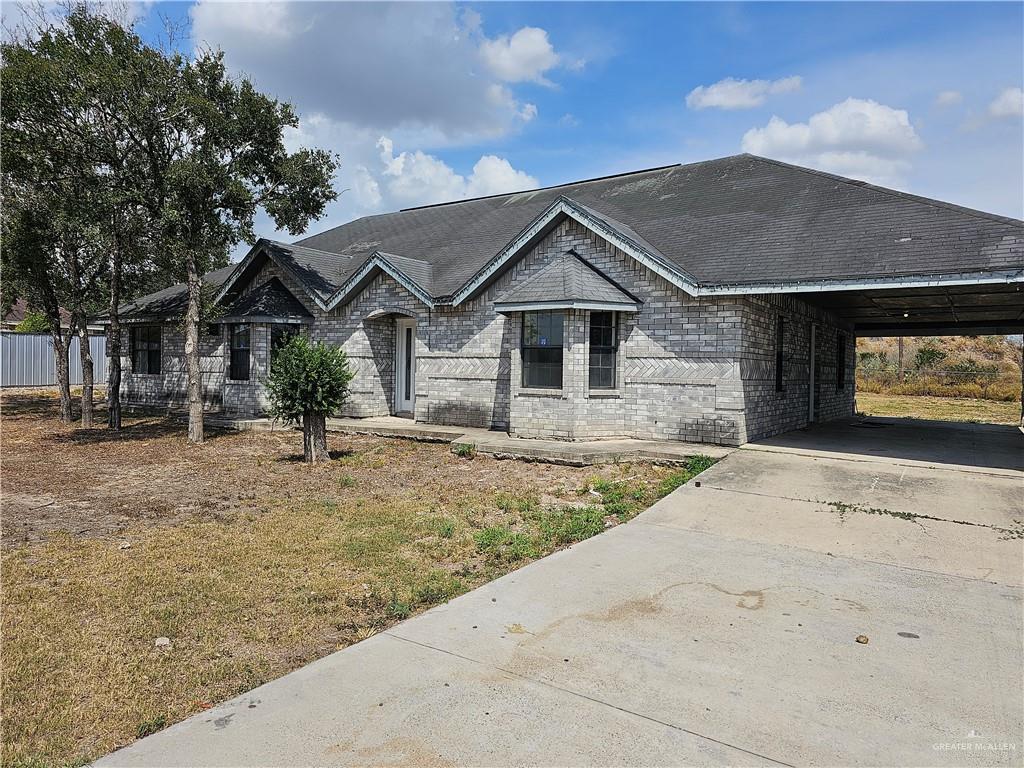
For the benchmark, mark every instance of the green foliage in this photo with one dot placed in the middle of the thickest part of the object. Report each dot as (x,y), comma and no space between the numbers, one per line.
(33,322)
(694,466)
(510,503)
(151,726)
(307,378)
(567,525)
(928,356)
(464,450)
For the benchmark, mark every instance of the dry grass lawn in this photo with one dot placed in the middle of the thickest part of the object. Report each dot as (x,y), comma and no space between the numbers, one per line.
(249,562)
(940,408)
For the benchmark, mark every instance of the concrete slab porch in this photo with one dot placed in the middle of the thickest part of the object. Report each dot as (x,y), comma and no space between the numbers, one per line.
(502,445)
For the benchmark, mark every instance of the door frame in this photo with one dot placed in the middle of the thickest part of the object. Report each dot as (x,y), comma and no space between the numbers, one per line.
(402,348)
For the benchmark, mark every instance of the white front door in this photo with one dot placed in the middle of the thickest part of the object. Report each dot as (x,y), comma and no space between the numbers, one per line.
(405,366)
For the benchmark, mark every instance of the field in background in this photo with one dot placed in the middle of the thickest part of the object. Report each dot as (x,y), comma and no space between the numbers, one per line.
(145,579)
(974,367)
(940,408)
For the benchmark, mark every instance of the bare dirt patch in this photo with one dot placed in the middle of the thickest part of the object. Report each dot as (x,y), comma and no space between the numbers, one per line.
(145,579)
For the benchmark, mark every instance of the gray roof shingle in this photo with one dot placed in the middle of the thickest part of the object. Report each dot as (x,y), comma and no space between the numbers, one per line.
(567,279)
(272,299)
(735,221)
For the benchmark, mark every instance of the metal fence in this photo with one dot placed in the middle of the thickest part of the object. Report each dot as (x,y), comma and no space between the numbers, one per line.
(26,360)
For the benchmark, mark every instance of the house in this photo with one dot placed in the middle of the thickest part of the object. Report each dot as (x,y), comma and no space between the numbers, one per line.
(13,316)
(717,301)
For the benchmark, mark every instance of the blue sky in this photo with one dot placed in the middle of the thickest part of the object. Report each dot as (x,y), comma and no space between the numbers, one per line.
(430,102)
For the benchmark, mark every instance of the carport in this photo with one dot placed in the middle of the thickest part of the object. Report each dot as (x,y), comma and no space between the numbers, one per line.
(942,305)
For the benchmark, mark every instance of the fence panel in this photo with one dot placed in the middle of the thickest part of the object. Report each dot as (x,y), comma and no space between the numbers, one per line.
(26,360)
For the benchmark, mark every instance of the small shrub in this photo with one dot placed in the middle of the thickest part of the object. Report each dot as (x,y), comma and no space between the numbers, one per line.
(346,481)
(464,450)
(151,726)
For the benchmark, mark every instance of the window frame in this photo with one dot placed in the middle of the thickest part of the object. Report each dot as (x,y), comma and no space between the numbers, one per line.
(603,349)
(780,357)
(525,348)
(153,349)
(234,331)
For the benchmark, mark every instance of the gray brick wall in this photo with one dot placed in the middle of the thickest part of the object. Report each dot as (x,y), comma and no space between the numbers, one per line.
(698,369)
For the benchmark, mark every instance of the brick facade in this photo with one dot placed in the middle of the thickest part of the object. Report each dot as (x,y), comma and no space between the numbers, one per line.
(698,369)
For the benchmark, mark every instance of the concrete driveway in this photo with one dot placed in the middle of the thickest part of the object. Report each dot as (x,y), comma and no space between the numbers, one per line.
(718,628)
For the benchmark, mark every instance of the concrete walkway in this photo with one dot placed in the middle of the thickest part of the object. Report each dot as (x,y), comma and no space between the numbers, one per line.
(718,628)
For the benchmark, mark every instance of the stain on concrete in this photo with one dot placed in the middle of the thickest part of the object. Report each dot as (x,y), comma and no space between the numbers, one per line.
(223,722)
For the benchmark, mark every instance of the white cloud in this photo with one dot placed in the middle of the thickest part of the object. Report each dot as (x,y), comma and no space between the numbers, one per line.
(948,98)
(739,94)
(1009,103)
(857,137)
(525,56)
(385,66)
(569,120)
(416,178)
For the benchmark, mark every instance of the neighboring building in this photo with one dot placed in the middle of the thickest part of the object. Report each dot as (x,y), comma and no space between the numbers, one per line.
(13,317)
(714,302)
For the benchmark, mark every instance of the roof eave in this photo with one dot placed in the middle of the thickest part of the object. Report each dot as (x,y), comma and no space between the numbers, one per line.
(542,306)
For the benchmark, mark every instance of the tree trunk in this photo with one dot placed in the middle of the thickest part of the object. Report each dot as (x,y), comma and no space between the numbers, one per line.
(87,373)
(314,437)
(114,344)
(195,383)
(62,368)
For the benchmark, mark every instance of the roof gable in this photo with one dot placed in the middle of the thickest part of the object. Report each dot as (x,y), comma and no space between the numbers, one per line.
(567,282)
(270,301)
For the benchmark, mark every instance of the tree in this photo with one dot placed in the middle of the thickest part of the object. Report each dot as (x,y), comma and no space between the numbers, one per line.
(66,151)
(307,383)
(216,162)
(34,321)
(928,356)
(176,156)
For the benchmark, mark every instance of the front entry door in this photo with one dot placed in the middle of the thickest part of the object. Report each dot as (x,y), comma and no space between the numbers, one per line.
(405,366)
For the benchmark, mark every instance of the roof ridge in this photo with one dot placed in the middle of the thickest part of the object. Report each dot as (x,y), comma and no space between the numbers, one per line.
(889,191)
(551,186)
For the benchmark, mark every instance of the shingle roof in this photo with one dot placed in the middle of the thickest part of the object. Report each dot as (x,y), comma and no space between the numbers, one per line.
(271,299)
(170,302)
(736,221)
(565,281)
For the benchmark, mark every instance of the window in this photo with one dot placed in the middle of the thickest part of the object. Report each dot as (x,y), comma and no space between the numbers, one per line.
(239,352)
(841,361)
(604,344)
(780,340)
(542,349)
(279,336)
(146,349)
